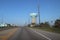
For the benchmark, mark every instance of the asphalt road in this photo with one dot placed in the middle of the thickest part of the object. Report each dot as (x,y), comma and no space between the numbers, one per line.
(28,34)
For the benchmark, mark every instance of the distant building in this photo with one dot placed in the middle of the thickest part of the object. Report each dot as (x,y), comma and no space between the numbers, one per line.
(3,25)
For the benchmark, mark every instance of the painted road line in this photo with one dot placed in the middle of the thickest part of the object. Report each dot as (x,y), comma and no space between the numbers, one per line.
(9,34)
(41,34)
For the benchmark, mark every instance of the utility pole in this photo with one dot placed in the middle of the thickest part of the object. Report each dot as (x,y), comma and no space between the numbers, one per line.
(38,6)
(2,19)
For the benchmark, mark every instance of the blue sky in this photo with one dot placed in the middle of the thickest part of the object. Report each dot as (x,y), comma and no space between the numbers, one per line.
(18,11)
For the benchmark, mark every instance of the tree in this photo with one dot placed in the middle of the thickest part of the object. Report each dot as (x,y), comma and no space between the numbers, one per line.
(28,25)
(46,24)
(41,24)
(57,23)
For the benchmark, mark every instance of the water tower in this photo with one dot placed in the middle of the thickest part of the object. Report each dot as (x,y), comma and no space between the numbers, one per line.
(33,19)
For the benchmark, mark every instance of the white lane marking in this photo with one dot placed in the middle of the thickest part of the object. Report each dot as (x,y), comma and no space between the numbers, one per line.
(42,35)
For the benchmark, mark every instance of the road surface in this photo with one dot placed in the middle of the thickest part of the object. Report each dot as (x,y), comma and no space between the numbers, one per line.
(32,34)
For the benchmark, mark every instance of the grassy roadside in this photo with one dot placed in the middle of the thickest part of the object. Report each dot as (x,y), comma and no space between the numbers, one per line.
(49,29)
(8,34)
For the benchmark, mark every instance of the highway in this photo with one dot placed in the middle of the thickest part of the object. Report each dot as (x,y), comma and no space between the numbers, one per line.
(32,34)
(25,33)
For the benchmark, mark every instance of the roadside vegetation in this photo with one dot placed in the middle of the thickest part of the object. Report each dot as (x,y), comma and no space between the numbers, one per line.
(47,27)
(9,26)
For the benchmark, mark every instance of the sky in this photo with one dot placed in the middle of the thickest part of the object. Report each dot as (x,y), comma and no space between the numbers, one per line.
(18,11)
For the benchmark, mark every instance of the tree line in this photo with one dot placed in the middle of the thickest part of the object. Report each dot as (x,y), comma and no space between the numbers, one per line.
(46,24)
